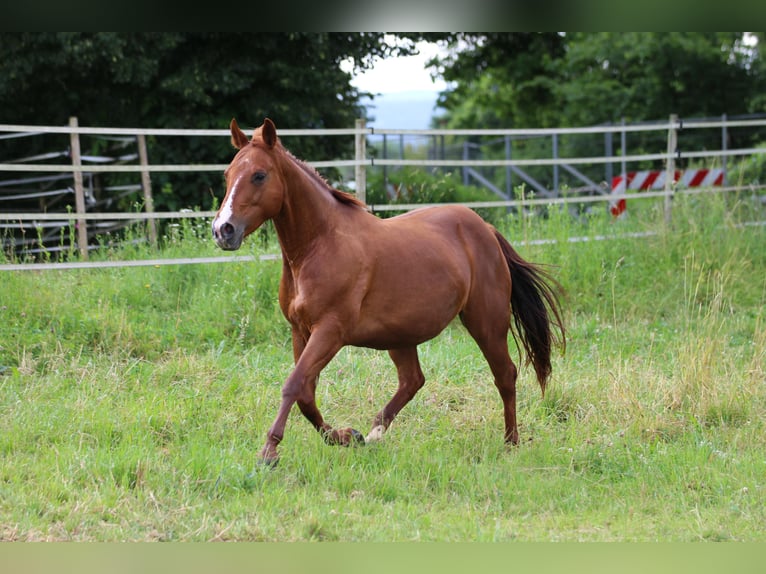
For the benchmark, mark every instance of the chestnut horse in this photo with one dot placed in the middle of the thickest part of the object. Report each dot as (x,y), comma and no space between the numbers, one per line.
(351,278)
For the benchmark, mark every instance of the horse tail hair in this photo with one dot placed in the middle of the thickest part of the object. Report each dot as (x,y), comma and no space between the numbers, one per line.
(536,310)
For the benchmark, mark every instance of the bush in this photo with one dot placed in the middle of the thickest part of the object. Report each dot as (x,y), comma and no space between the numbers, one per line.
(414,185)
(751,170)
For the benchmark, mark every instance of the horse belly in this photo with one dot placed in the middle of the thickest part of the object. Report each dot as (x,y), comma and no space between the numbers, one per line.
(410,304)
(387,336)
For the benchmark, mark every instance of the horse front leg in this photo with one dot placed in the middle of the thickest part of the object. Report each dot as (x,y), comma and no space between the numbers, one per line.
(300,387)
(307,403)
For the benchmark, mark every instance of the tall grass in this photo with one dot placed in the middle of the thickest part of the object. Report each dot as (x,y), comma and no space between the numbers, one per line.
(135,400)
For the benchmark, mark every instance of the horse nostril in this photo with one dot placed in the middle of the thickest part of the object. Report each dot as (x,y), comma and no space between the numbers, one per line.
(227,230)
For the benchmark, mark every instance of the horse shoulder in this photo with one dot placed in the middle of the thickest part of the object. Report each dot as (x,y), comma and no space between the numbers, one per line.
(286,288)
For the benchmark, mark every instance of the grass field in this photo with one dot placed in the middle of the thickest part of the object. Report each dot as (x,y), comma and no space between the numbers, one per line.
(133,401)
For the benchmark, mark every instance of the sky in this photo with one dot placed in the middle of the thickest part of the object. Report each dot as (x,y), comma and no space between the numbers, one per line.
(405,93)
(403,74)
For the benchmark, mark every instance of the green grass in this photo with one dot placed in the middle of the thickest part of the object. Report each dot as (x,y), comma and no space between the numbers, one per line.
(133,402)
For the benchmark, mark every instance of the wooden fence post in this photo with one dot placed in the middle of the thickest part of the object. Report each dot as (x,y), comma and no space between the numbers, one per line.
(555,153)
(508,172)
(146,184)
(623,153)
(670,166)
(608,152)
(79,194)
(466,157)
(360,175)
(724,147)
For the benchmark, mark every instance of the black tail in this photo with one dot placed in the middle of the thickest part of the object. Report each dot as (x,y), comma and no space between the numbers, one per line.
(536,309)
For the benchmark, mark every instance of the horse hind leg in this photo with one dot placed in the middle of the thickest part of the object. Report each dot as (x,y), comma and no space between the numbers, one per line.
(490,331)
(411,379)
(505,374)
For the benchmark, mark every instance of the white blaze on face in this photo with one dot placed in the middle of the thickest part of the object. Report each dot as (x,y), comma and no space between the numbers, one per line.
(227,209)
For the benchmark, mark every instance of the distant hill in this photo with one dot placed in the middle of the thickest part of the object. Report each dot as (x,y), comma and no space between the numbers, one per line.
(405,110)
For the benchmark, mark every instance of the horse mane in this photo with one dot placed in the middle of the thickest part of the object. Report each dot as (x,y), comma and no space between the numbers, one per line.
(341,196)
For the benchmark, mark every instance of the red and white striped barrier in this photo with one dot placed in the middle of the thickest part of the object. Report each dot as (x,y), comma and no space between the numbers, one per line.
(640,180)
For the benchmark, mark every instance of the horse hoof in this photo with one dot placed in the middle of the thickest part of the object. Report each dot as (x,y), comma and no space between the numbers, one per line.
(376,434)
(344,437)
(268,463)
(260,471)
(356,438)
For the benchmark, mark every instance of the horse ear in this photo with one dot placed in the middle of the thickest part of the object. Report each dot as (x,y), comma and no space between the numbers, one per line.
(269,132)
(238,137)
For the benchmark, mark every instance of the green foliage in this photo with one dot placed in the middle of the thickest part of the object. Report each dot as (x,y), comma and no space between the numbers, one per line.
(638,76)
(751,170)
(501,79)
(524,79)
(532,80)
(413,185)
(185,80)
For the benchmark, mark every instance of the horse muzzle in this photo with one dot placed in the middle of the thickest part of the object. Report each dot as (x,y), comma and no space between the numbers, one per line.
(227,235)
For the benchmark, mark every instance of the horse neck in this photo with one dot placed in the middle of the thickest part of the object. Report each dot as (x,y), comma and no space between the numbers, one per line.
(308,209)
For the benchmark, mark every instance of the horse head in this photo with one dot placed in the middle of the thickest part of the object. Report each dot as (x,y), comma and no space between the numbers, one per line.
(254,186)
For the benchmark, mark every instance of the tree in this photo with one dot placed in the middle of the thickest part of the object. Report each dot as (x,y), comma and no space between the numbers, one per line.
(195,80)
(525,79)
(500,79)
(645,76)
(530,80)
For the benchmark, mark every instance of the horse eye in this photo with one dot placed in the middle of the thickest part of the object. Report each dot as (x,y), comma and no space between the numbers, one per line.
(258,177)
